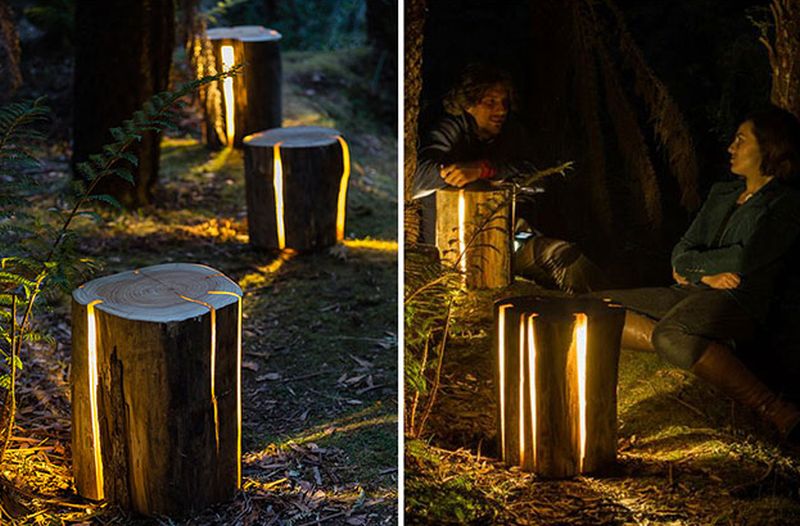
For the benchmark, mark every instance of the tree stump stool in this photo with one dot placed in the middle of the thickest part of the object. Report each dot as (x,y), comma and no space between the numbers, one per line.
(556,376)
(237,107)
(156,388)
(296,183)
(474,231)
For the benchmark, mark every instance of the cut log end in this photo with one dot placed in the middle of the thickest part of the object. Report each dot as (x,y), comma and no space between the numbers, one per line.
(160,293)
(294,137)
(243,33)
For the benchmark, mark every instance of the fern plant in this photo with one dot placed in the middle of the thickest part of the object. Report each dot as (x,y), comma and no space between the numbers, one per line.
(39,253)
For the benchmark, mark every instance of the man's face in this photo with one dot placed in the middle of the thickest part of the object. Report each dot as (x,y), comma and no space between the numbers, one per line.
(491,110)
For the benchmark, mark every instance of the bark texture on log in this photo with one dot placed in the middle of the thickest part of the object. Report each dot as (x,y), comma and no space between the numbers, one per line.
(415,24)
(784,55)
(309,176)
(256,90)
(156,397)
(483,235)
(123,52)
(541,392)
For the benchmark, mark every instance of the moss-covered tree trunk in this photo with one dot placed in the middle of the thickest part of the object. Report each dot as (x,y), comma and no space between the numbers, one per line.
(123,54)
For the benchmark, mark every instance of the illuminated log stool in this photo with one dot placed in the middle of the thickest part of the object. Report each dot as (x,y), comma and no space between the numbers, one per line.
(556,383)
(156,388)
(296,183)
(459,212)
(251,101)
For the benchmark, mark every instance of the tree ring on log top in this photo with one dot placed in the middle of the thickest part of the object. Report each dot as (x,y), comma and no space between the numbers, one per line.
(160,293)
(294,137)
(243,33)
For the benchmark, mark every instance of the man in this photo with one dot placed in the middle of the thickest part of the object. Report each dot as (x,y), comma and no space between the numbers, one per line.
(477,140)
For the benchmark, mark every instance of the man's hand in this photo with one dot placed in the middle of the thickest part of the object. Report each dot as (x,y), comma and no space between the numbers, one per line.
(680,280)
(725,280)
(460,174)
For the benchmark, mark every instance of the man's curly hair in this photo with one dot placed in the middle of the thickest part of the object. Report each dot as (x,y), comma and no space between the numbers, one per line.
(473,83)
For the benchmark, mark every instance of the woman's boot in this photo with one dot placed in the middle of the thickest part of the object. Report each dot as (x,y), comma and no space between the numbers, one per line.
(718,366)
(637,333)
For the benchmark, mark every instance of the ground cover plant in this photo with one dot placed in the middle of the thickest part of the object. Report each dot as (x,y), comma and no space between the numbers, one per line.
(319,330)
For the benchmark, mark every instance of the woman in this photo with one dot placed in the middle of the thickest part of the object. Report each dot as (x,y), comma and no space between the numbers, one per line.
(727,267)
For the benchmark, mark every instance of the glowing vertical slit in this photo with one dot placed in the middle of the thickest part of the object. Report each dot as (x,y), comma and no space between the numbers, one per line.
(238,384)
(277,185)
(532,385)
(93,382)
(342,203)
(522,390)
(501,367)
(462,244)
(581,322)
(227,93)
(213,366)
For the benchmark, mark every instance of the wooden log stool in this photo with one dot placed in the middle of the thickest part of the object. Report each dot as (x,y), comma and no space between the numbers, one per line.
(296,183)
(556,378)
(474,231)
(251,101)
(156,388)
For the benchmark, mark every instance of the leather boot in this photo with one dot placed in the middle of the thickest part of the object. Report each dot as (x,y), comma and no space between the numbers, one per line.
(637,333)
(718,366)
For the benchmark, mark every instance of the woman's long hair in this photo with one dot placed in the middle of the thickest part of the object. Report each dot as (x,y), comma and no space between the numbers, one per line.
(778,134)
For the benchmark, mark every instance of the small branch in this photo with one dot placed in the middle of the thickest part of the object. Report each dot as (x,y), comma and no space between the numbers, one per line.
(437,378)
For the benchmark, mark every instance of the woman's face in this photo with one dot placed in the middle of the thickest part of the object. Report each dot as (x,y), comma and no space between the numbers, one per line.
(745,153)
(490,112)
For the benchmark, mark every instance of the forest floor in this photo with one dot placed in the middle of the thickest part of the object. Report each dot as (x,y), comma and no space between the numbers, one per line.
(319,330)
(686,455)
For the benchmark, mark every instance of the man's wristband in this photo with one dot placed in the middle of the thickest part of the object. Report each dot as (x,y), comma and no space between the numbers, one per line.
(487,172)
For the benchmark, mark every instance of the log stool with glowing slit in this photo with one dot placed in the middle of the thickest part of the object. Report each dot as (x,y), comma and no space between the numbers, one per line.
(459,211)
(251,101)
(156,388)
(557,383)
(296,183)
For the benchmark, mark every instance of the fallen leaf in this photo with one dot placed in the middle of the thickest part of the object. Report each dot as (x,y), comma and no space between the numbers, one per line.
(268,376)
(251,365)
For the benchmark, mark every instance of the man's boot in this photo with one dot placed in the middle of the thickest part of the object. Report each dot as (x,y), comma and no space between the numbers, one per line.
(718,366)
(637,333)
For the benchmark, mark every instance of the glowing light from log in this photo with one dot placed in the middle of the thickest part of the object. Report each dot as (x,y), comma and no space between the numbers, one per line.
(93,382)
(462,244)
(213,366)
(277,185)
(501,367)
(579,338)
(532,383)
(342,205)
(238,384)
(521,391)
(227,92)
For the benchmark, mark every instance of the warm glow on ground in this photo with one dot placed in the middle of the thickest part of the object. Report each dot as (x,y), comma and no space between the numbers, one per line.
(581,322)
(227,93)
(238,383)
(277,185)
(265,273)
(372,244)
(213,312)
(501,367)
(532,383)
(462,244)
(93,381)
(342,203)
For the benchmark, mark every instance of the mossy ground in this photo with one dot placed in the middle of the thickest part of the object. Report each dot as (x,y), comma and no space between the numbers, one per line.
(686,454)
(319,330)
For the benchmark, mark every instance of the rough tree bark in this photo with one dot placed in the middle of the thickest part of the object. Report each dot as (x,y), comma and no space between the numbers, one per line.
(123,52)
(415,25)
(784,54)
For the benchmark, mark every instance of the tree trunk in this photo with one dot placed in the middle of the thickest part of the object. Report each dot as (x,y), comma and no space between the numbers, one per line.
(784,55)
(296,184)
(415,25)
(123,54)
(156,388)
(556,356)
(473,230)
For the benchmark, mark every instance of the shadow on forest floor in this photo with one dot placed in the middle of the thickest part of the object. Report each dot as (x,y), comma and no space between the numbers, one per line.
(319,334)
(686,454)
